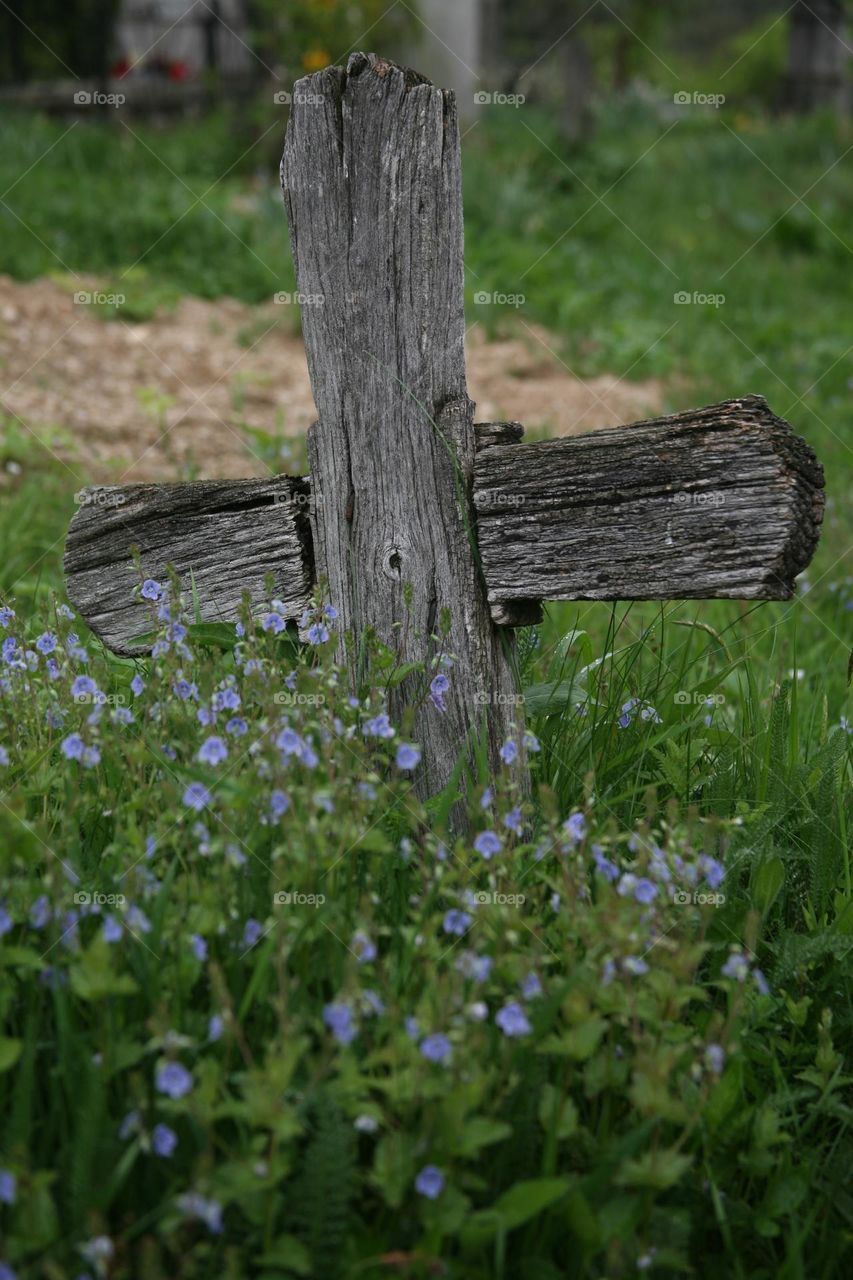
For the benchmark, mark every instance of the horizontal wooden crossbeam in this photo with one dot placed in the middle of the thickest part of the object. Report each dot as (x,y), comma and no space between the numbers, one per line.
(724,501)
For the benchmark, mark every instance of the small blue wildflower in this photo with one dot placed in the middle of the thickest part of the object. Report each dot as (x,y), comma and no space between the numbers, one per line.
(488,843)
(252,932)
(193,1205)
(761,982)
(137,685)
(645,891)
(437,689)
(137,920)
(163,1141)
(6,615)
(196,796)
(408,756)
(185,689)
(111,930)
(513,820)
(378,727)
(8,1187)
(213,751)
(531,742)
(330,612)
(635,965)
(371,1002)
(83,687)
(338,1018)
(4,757)
(413,1029)
(713,871)
(457,922)
(198,946)
(225,700)
(436,1047)
(279,803)
(289,742)
(736,967)
(487,798)
(531,987)
(237,725)
(130,1124)
(364,948)
(715,1056)
(575,826)
(603,864)
(91,756)
(512,1020)
(173,1079)
(273,622)
(509,752)
(47,642)
(40,911)
(317,633)
(151,590)
(430,1182)
(6,921)
(215,1028)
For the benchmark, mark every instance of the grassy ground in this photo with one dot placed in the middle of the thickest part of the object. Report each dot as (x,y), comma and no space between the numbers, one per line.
(649,1118)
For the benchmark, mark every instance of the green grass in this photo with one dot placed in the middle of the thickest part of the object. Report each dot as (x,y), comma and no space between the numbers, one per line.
(605,1136)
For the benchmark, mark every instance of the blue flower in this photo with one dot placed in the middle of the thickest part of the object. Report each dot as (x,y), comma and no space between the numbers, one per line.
(513,820)
(137,685)
(430,1182)
(8,1187)
(531,742)
(173,1079)
(645,891)
(761,982)
(163,1141)
(635,965)
(46,642)
(575,827)
(713,871)
(436,1047)
(512,1020)
(198,946)
(317,633)
(273,622)
(252,933)
(40,911)
(603,864)
(196,796)
(509,752)
(438,688)
(215,1027)
(83,687)
(151,590)
(488,843)
(237,725)
(213,751)
(6,615)
(531,987)
(111,930)
(413,1029)
(338,1018)
(715,1056)
(736,967)
(457,922)
(408,756)
(279,803)
(363,947)
(379,727)
(193,1205)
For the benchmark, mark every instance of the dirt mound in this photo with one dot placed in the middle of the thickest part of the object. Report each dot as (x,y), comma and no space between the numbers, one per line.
(172,396)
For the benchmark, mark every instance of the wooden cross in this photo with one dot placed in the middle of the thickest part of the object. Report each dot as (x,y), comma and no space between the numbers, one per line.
(412,511)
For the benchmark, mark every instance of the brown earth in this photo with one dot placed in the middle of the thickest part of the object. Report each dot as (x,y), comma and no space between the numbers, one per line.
(173,396)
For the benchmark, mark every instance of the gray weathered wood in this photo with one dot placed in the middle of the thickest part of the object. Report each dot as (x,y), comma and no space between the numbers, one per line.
(228,534)
(372,181)
(720,502)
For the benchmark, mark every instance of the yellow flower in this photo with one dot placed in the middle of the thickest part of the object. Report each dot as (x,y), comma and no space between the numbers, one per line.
(315,59)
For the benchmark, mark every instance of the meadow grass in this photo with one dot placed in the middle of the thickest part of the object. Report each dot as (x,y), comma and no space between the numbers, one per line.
(640,1067)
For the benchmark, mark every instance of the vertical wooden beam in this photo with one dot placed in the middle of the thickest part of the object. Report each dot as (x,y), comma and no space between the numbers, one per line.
(372,181)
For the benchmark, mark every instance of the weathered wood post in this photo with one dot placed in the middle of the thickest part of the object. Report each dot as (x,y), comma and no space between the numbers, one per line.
(723,501)
(372,181)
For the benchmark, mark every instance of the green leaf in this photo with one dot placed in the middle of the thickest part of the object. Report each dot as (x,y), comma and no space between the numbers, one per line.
(656,1169)
(551,697)
(10,1052)
(557,1115)
(288,1254)
(579,1043)
(393,1167)
(213,635)
(479,1132)
(767,880)
(527,1199)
